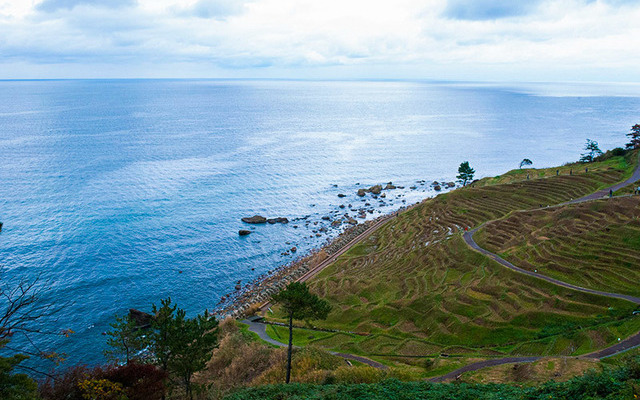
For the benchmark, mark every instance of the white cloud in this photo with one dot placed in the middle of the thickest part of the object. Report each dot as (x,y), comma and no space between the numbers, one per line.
(455,39)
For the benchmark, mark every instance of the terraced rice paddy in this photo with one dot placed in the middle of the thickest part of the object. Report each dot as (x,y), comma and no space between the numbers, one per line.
(416,290)
(594,245)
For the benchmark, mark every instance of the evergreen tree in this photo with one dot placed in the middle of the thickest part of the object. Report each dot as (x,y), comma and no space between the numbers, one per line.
(126,339)
(634,137)
(298,303)
(593,151)
(525,162)
(465,173)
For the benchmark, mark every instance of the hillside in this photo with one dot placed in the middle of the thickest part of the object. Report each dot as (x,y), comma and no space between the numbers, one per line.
(414,295)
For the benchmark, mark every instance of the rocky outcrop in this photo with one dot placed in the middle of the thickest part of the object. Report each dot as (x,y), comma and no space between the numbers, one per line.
(141,319)
(390,186)
(256,219)
(244,232)
(437,188)
(362,192)
(377,189)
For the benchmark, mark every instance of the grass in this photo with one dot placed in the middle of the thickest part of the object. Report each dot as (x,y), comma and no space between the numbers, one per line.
(417,290)
(594,245)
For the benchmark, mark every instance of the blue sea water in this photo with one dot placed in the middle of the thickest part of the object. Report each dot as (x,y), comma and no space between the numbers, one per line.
(119,193)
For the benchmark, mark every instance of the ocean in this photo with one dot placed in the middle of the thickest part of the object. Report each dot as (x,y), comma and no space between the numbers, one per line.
(118,193)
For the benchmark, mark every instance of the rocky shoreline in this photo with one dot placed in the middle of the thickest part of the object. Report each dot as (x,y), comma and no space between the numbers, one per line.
(260,290)
(246,298)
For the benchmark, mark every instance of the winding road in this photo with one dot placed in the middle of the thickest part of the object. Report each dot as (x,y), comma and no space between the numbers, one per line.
(634,341)
(622,346)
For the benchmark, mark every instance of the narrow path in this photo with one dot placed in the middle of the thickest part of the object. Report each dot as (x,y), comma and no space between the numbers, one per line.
(261,330)
(622,346)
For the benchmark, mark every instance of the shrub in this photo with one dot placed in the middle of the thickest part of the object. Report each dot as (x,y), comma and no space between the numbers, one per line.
(358,375)
(137,381)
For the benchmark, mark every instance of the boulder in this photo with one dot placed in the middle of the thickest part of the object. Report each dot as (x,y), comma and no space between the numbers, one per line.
(244,232)
(256,219)
(450,184)
(141,318)
(271,221)
(376,189)
(326,218)
(282,220)
(353,221)
(383,195)
(437,188)
(336,223)
(361,192)
(341,195)
(390,186)
(294,249)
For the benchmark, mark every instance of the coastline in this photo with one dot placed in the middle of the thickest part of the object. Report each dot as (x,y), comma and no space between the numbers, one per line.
(256,294)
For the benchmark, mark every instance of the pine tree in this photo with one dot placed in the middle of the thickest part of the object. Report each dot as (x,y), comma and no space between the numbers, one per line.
(465,173)
(634,137)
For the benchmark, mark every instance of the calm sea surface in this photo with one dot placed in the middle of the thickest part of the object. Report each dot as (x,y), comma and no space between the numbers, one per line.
(120,193)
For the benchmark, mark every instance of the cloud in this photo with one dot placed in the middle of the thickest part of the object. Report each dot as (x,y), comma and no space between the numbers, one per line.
(475,10)
(214,9)
(440,39)
(55,5)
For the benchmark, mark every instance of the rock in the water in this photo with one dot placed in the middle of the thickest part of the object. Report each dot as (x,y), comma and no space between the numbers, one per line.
(437,188)
(294,249)
(450,184)
(256,219)
(353,221)
(271,221)
(361,192)
(326,218)
(390,186)
(341,195)
(244,232)
(413,187)
(282,220)
(336,223)
(383,195)
(376,189)
(341,205)
(141,319)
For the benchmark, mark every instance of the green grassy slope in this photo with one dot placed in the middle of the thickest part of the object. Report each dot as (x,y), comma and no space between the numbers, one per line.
(594,245)
(417,290)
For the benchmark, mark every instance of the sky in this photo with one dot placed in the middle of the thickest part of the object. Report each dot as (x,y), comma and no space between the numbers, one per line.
(467,40)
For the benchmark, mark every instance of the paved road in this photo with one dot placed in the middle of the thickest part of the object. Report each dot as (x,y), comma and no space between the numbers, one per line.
(261,330)
(629,343)
(624,345)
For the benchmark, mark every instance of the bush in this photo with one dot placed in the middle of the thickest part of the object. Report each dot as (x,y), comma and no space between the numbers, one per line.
(137,381)
(358,375)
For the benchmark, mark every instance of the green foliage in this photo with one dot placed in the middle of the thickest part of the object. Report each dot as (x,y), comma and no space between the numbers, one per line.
(192,341)
(15,386)
(465,173)
(182,346)
(298,303)
(125,340)
(525,162)
(634,137)
(593,151)
(609,384)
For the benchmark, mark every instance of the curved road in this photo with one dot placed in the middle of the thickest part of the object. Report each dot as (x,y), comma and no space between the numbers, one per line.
(627,344)
(260,329)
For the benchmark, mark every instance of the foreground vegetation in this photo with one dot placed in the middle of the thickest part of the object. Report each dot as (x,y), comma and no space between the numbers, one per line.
(619,383)
(413,294)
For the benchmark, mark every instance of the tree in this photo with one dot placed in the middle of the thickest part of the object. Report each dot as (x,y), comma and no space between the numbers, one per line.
(593,151)
(465,173)
(182,346)
(634,137)
(126,339)
(524,162)
(192,345)
(298,303)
